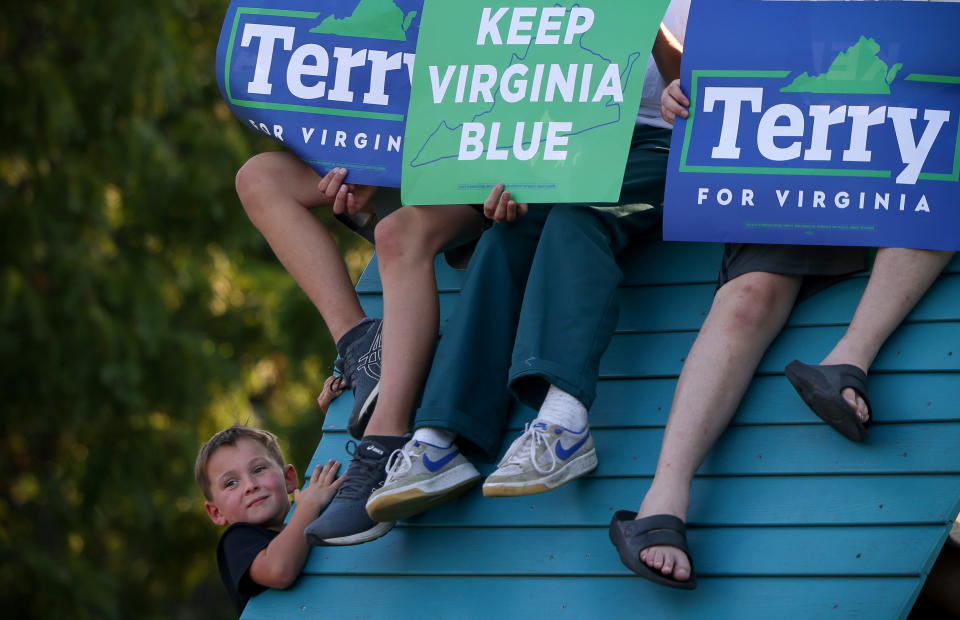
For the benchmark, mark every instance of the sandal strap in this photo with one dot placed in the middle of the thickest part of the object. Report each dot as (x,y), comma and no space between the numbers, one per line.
(657,530)
(656,522)
(657,538)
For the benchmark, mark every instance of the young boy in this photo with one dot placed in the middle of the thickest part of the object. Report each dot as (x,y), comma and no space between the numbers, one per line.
(247,485)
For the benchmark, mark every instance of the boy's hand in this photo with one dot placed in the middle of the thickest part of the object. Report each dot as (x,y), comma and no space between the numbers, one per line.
(345,197)
(499,208)
(278,564)
(673,103)
(332,388)
(323,484)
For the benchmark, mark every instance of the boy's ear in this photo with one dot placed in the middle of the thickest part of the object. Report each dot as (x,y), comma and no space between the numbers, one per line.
(290,477)
(214,513)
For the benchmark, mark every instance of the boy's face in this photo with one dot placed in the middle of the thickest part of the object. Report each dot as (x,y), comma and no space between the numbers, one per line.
(248,486)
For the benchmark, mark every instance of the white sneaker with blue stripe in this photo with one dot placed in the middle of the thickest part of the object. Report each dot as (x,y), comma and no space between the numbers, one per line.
(543,458)
(420,476)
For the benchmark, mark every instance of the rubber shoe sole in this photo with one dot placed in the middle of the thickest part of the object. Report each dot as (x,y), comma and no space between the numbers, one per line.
(576,468)
(404,502)
(373,533)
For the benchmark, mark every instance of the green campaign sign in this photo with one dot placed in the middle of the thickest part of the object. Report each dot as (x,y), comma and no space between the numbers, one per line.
(540,97)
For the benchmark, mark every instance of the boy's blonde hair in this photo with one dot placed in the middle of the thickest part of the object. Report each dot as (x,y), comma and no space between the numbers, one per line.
(229,437)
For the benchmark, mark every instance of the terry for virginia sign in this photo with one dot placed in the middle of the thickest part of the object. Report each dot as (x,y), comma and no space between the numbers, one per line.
(330,79)
(826,123)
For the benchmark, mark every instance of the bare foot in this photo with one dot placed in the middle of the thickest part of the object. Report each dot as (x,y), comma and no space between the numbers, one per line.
(857,403)
(670,561)
(853,398)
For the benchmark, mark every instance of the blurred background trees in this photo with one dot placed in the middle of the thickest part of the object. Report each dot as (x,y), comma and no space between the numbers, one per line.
(139,310)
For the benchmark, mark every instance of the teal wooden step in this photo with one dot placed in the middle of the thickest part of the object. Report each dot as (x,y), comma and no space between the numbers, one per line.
(536,597)
(684,306)
(787,519)
(726,551)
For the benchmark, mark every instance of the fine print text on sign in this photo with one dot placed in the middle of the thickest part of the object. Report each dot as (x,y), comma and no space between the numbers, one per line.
(330,79)
(845,133)
(541,98)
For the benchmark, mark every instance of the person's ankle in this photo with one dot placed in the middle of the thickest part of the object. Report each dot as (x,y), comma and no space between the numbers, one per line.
(351,334)
(564,409)
(848,353)
(836,360)
(439,437)
(659,502)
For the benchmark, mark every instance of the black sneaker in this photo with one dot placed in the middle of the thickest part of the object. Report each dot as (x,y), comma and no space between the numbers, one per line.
(359,362)
(345,521)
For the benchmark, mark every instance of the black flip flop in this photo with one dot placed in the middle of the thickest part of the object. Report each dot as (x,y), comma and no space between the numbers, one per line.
(821,388)
(631,536)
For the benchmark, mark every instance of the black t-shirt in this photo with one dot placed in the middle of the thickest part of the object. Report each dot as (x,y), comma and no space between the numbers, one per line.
(236,551)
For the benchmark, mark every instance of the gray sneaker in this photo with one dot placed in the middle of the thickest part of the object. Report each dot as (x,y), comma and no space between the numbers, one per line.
(345,520)
(420,476)
(360,351)
(543,458)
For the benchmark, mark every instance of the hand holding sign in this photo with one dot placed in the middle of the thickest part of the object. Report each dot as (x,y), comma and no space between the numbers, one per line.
(500,208)
(345,197)
(673,102)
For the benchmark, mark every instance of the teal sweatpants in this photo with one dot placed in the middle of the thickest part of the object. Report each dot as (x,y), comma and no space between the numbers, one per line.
(539,304)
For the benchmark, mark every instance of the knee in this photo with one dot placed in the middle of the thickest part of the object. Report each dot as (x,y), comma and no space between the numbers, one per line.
(753,301)
(405,235)
(569,215)
(576,223)
(257,179)
(501,240)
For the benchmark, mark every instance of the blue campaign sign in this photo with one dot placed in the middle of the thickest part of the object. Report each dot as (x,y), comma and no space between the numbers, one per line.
(330,79)
(823,123)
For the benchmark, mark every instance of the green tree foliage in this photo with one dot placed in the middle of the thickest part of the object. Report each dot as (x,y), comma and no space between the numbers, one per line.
(140,311)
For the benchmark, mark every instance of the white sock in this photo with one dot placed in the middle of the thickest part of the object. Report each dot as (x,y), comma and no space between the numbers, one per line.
(564,409)
(439,437)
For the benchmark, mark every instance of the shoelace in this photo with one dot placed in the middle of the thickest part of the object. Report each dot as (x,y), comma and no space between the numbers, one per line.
(361,476)
(348,369)
(399,464)
(526,448)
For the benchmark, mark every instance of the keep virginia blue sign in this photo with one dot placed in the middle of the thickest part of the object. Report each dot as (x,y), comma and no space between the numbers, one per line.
(330,79)
(826,123)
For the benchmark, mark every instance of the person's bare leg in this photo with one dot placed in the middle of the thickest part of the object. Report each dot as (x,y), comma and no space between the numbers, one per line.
(747,313)
(277,190)
(899,279)
(407,242)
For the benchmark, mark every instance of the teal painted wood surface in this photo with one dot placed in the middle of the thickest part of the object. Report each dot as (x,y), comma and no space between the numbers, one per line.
(633,403)
(912,348)
(729,551)
(787,519)
(646,264)
(482,598)
(683,307)
(784,450)
(721,502)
